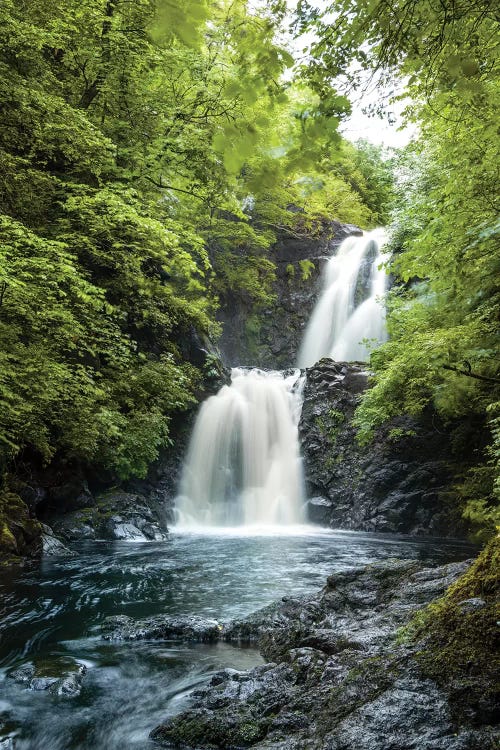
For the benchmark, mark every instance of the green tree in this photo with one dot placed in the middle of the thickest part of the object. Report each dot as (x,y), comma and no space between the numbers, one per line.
(443,313)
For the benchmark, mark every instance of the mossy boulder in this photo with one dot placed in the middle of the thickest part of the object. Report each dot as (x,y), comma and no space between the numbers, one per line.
(204,729)
(459,637)
(115,514)
(20,534)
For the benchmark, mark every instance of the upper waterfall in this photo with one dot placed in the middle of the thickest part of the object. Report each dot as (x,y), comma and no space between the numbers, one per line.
(349,309)
(243,466)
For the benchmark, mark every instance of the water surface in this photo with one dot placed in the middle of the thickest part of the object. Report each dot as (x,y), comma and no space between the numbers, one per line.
(51,614)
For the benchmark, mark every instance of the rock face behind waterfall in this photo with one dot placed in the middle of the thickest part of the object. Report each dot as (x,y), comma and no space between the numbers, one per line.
(272,338)
(398,483)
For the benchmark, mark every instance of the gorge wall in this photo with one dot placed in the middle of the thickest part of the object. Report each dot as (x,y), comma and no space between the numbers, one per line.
(271,338)
(399,483)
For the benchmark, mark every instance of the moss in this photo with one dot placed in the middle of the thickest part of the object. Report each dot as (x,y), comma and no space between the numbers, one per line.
(18,532)
(213,730)
(457,647)
(7,539)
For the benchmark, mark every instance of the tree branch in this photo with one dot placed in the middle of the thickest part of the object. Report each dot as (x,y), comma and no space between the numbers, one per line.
(161,184)
(95,87)
(471,374)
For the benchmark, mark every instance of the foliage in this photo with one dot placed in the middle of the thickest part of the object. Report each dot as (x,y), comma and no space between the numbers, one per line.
(148,153)
(443,310)
(306,268)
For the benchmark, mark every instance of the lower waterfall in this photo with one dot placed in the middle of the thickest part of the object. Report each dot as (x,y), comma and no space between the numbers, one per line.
(243,466)
(349,309)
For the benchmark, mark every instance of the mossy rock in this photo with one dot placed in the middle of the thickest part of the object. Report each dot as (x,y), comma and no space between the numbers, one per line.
(20,535)
(458,638)
(208,729)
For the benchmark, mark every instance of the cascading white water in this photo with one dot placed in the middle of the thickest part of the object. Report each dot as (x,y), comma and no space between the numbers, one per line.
(349,311)
(243,466)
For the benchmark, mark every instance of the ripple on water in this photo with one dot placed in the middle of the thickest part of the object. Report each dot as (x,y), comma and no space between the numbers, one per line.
(52,613)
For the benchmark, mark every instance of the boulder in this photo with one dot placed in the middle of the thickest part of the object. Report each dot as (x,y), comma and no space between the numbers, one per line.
(161,627)
(115,514)
(60,678)
(51,545)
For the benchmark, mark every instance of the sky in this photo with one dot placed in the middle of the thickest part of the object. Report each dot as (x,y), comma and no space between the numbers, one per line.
(381,132)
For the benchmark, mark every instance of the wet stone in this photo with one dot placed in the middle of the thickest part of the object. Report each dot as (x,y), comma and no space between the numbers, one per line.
(338,679)
(471,605)
(66,680)
(161,627)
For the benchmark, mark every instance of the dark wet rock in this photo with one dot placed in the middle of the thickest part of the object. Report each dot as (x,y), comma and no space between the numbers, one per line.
(69,686)
(51,545)
(23,674)
(270,627)
(411,713)
(20,532)
(341,678)
(271,337)
(399,483)
(115,515)
(72,494)
(259,695)
(30,492)
(42,683)
(161,627)
(59,678)
(319,510)
(471,605)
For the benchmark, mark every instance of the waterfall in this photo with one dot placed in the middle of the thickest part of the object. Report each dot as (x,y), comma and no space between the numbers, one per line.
(349,309)
(243,466)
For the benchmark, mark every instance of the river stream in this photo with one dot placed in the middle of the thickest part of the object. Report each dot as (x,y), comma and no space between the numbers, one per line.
(51,615)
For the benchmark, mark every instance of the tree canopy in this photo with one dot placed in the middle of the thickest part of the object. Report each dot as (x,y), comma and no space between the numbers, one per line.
(148,153)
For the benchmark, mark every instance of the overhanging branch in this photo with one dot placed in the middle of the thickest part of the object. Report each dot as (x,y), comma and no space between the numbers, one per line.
(471,374)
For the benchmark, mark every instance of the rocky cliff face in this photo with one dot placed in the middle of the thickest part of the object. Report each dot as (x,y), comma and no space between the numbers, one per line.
(271,338)
(399,483)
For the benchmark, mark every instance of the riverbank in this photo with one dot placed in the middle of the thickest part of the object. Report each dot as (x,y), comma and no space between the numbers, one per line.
(364,663)
(55,621)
